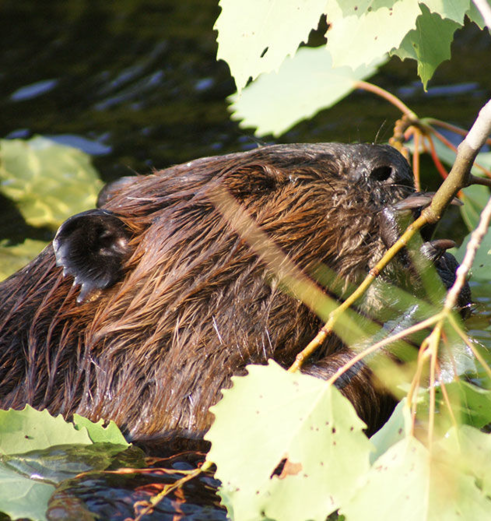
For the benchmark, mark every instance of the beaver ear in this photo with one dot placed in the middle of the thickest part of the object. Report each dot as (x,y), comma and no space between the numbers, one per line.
(111,190)
(92,246)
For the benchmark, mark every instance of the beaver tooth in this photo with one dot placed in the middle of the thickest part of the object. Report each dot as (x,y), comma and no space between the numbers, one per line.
(421,200)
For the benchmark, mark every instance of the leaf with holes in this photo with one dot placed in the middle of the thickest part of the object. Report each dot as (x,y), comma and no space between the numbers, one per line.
(257,35)
(279,441)
(428,44)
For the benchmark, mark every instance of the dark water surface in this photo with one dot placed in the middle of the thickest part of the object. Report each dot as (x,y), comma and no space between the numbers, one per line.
(135,83)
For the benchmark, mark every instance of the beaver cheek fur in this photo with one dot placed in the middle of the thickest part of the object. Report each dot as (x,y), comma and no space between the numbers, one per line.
(142,310)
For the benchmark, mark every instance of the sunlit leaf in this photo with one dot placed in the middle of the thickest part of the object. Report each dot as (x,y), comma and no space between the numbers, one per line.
(476,17)
(474,454)
(26,430)
(396,428)
(428,44)
(304,85)
(273,422)
(99,432)
(257,35)
(48,182)
(409,480)
(452,9)
(364,30)
(13,258)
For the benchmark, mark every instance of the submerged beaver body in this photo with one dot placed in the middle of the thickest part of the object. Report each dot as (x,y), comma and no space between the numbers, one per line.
(158,299)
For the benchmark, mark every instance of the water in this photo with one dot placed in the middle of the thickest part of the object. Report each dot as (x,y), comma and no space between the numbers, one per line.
(135,84)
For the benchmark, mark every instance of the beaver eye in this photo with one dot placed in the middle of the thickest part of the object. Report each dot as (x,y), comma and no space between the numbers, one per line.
(254,180)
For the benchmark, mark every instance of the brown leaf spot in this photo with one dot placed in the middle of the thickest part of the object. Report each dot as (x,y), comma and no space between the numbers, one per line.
(286,468)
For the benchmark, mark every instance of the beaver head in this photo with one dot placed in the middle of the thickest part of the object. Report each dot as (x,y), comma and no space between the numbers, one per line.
(143,309)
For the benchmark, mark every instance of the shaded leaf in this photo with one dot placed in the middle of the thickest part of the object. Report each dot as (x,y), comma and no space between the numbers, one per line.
(55,464)
(13,258)
(279,440)
(21,497)
(257,35)
(470,404)
(304,85)
(359,29)
(48,182)
(474,198)
(428,44)
(481,268)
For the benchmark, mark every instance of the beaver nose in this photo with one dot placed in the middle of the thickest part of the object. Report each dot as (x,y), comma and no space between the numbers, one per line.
(382,173)
(382,164)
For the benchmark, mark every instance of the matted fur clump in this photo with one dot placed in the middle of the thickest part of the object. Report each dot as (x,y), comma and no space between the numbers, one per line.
(142,310)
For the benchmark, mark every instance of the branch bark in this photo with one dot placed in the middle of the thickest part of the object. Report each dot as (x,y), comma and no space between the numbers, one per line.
(460,175)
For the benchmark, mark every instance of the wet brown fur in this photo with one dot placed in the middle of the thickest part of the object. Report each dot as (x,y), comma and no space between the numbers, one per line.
(196,303)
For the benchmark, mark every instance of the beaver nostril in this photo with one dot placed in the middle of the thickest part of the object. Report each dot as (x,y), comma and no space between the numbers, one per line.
(381,173)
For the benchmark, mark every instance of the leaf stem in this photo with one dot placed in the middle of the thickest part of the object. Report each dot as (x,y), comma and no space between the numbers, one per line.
(364,85)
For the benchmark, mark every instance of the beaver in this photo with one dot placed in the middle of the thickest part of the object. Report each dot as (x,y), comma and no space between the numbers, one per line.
(142,309)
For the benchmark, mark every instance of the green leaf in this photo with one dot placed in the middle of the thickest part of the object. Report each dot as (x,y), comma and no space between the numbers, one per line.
(481,268)
(475,16)
(13,258)
(59,462)
(470,404)
(474,198)
(411,481)
(304,85)
(474,450)
(273,422)
(28,429)
(21,497)
(49,182)
(452,9)
(396,428)
(257,35)
(428,44)
(98,432)
(364,30)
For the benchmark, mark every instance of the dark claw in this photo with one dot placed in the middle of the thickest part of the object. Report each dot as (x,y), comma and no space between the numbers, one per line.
(433,250)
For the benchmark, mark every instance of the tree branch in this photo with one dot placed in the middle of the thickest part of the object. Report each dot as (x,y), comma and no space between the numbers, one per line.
(460,175)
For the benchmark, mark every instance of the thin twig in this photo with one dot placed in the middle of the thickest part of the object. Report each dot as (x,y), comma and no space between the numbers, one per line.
(388,96)
(155,500)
